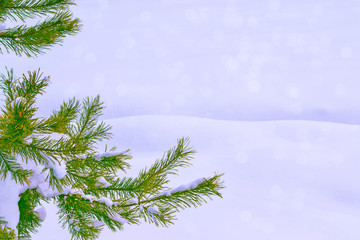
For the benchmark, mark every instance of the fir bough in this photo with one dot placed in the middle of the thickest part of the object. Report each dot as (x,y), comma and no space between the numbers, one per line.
(33,40)
(55,160)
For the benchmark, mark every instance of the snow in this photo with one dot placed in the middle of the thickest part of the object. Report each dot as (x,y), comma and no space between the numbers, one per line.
(58,170)
(9,197)
(188,186)
(179,189)
(107,201)
(82,156)
(2,26)
(103,182)
(282,178)
(153,209)
(182,187)
(98,224)
(166,193)
(41,213)
(195,183)
(118,218)
(28,140)
(89,197)
(9,192)
(98,157)
(35,179)
(76,192)
(45,190)
(133,201)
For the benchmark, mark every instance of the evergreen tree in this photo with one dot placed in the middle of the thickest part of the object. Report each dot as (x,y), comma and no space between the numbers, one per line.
(55,159)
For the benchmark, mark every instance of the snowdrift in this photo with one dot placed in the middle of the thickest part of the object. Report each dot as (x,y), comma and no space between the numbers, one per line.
(285,179)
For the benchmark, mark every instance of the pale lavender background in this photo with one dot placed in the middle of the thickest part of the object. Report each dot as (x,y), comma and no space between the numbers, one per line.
(231,60)
(235,59)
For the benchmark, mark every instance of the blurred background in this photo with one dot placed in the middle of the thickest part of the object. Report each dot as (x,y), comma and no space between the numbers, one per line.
(218,59)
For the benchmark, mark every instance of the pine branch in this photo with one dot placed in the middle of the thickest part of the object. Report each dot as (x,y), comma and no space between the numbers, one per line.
(87,131)
(80,215)
(151,180)
(60,120)
(163,216)
(20,95)
(32,85)
(5,232)
(191,197)
(85,187)
(84,172)
(8,164)
(91,110)
(23,9)
(29,220)
(171,201)
(121,188)
(33,40)
(7,84)
(27,87)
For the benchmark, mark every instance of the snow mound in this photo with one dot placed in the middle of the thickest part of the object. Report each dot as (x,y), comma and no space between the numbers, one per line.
(284,179)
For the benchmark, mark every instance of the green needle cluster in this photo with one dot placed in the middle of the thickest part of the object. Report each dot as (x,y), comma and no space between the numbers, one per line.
(55,159)
(55,23)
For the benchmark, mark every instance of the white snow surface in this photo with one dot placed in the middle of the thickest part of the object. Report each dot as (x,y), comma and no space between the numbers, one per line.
(107,154)
(9,193)
(183,187)
(59,169)
(107,201)
(133,201)
(118,218)
(284,179)
(102,182)
(9,197)
(2,26)
(42,213)
(153,209)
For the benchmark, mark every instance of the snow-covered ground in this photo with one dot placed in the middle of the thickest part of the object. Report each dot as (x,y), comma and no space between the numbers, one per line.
(284,179)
